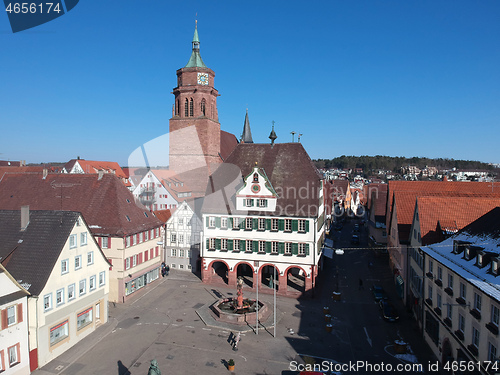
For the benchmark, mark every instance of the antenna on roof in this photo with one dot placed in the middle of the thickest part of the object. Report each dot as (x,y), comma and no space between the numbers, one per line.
(298,138)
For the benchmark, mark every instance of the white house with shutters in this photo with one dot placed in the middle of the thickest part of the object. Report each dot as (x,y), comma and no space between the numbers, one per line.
(258,230)
(151,192)
(53,256)
(182,238)
(14,352)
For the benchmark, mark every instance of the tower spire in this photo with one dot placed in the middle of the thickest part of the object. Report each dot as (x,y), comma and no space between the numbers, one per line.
(247,133)
(195,60)
(273,135)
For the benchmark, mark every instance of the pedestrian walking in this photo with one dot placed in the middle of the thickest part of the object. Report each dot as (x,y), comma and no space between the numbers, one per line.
(236,341)
(163,269)
(167,270)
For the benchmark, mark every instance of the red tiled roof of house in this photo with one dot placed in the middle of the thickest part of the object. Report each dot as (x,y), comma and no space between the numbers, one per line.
(164,215)
(20,170)
(288,167)
(93,166)
(8,163)
(338,188)
(106,204)
(228,142)
(424,187)
(376,195)
(450,214)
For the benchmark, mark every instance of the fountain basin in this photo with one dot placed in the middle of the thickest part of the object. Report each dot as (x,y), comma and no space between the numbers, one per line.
(245,316)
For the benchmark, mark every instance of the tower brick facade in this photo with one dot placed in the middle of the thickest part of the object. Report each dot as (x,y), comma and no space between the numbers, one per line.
(194,126)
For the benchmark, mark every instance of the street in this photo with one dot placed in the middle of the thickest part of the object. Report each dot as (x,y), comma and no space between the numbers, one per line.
(161,323)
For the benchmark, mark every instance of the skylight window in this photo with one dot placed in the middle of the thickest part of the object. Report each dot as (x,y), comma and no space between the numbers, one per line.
(127,217)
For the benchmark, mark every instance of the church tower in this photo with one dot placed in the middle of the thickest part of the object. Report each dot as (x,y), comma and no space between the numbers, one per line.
(194,127)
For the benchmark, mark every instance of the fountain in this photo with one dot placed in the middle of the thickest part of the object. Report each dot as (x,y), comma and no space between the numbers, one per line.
(239,310)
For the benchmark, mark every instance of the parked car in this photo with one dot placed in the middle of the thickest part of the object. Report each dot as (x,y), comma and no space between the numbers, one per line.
(389,312)
(355,239)
(378,293)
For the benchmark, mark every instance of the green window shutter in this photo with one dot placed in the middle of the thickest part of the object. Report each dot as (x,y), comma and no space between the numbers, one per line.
(217,244)
(230,223)
(281,224)
(307,249)
(251,202)
(255,224)
(307,226)
(295,225)
(230,245)
(268,247)
(255,246)
(208,220)
(217,222)
(208,243)
(281,248)
(242,223)
(243,245)
(268,224)
(295,248)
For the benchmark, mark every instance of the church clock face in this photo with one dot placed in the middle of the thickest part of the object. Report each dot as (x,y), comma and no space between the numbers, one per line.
(202,78)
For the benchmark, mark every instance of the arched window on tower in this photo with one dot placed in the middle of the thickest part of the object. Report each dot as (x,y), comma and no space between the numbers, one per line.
(191,107)
(203,107)
(186,108)
(177,105)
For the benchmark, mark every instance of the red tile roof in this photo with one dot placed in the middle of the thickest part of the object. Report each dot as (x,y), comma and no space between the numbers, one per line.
(228,142)
(424,187)
(93,166)
(450,214)
(164,215)
(106,204)
(376,195)
(288,167)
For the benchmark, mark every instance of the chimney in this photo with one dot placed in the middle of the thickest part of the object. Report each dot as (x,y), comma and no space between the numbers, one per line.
(45,173)
(100,174)
(25,217)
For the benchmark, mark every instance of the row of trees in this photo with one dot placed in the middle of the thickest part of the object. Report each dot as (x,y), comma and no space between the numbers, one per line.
(394,163)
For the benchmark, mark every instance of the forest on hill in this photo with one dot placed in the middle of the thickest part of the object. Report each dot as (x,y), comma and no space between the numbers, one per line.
(394,163)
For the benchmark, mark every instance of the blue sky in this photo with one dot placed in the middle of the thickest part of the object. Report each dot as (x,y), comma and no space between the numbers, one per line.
(358,77)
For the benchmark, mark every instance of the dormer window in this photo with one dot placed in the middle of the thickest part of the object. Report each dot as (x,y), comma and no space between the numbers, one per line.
(494,266)
(458,246)
(480,259)
(471,251)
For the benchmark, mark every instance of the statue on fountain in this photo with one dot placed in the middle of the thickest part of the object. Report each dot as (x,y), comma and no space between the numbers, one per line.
(239,292)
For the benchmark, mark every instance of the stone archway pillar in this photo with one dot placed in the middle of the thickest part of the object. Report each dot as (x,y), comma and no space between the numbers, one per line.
(283,283)
(308,282)
(206,274)
(232,277)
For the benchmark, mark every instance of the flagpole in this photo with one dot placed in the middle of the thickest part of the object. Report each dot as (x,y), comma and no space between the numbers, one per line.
(274,286)
(257,305)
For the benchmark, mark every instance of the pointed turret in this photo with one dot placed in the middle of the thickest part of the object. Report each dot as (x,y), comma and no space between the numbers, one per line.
(273,136)
(246,137)
(195,60)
